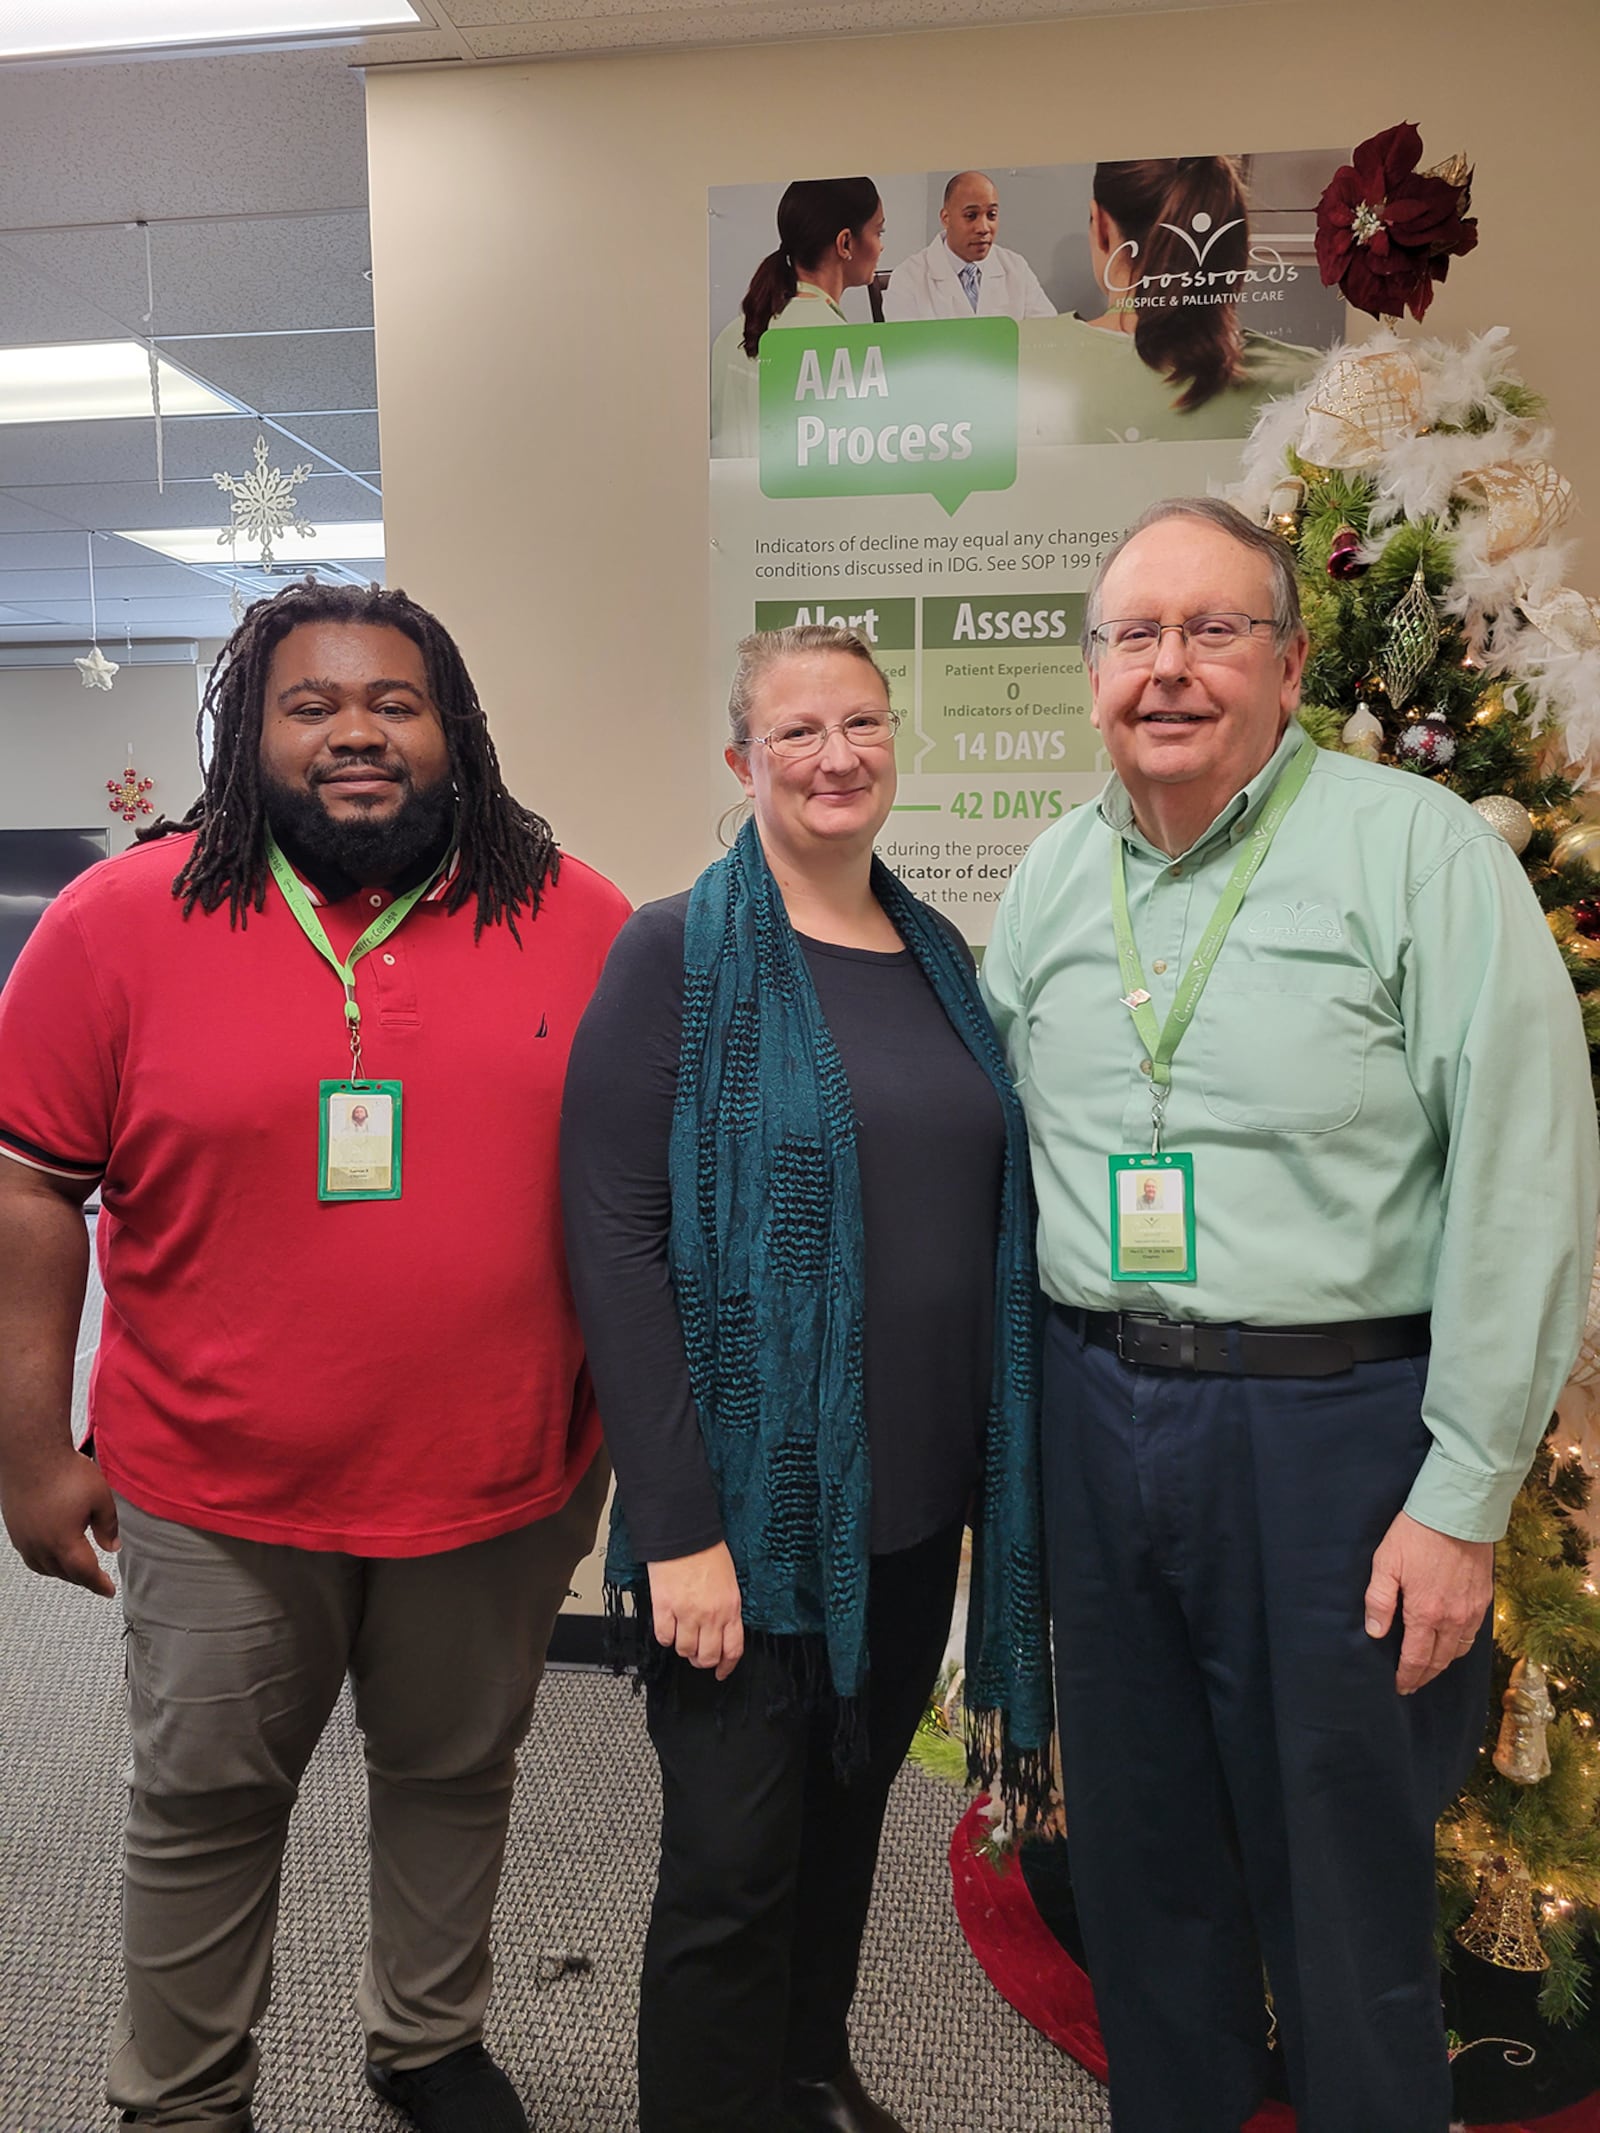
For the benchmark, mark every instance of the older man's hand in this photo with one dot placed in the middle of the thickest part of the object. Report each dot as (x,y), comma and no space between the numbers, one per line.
(1443,1587)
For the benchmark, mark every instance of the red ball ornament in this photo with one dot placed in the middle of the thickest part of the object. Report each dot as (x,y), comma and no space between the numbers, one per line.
(1344,554)
(1586,917)
(1427,742)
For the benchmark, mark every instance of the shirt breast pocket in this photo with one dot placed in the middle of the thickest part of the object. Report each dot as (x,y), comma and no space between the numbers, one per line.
(1283,1049)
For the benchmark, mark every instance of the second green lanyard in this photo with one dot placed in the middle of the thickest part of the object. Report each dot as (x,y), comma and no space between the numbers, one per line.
(1161,1040)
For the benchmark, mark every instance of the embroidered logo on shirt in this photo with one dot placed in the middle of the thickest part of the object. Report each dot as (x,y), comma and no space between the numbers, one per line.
(544,1027)
(1290,924)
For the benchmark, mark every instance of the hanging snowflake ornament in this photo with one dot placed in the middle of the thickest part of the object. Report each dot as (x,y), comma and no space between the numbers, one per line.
(128,795)
(1413,640)
(96,670)
(264,505)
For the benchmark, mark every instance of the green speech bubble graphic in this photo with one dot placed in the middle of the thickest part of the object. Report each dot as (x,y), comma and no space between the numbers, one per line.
(925,407)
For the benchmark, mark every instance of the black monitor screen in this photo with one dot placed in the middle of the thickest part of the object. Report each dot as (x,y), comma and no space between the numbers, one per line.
(36,865)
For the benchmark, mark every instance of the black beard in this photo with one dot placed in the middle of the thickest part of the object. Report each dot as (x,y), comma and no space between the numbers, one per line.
(367,850)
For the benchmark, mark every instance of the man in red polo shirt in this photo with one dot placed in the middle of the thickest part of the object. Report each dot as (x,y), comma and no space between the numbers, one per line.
(341,1419)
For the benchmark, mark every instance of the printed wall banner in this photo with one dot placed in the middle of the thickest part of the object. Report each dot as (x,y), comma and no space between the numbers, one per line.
(966,385)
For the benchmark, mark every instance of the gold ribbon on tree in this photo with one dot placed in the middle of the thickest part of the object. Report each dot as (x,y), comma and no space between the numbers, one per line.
(1524,502)
(1365,404)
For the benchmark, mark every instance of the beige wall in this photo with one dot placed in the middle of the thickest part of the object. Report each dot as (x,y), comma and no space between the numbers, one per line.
(60,742)
(539,242)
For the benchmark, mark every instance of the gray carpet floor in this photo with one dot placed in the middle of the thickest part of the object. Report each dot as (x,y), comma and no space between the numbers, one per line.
(931,2035)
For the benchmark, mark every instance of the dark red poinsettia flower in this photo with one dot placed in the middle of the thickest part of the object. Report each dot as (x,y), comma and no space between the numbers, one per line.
(1386,232)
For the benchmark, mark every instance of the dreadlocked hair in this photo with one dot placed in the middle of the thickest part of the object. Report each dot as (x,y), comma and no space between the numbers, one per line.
(506,852)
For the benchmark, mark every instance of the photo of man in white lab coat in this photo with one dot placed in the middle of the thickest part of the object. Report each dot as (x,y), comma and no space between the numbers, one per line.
(964,273)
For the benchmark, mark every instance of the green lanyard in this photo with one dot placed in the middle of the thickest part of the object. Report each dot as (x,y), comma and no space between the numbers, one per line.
(386,922)
(1162,1042)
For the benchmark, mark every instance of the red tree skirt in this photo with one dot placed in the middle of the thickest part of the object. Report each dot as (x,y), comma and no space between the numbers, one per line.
(1031,1970)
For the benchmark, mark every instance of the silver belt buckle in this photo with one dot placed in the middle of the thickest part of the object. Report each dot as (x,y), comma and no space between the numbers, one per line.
(1122,1354)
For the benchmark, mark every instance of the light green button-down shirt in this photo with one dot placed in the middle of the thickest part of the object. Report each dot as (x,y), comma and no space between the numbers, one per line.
(1385,1090)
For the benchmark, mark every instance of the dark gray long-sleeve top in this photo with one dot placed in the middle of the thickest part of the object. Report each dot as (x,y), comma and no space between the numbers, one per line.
(930,1144)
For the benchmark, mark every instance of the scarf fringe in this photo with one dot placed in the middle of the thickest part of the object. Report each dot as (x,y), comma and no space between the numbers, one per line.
(1023,1778)
(796,1672)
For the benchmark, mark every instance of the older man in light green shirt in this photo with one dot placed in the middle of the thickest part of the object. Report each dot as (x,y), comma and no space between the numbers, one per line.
(1271,1501)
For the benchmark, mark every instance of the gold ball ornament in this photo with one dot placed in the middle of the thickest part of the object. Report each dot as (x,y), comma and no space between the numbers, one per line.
(1508,816)
(1578,845)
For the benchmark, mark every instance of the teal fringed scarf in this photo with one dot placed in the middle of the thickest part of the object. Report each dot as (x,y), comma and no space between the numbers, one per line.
(767,1262)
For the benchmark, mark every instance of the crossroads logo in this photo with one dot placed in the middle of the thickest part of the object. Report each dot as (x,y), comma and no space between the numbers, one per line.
(1304,924)
(1204,274)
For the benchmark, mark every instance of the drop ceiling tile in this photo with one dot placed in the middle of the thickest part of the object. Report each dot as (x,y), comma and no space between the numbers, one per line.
(43,551)
(112,586)
(34,308)
(234,276)
(284,373)
(504,29)
(23,518)
(401,48)
(352,440)
(113,141)
(39,454)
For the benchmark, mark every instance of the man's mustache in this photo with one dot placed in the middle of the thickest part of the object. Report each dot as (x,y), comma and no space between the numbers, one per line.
(347,773)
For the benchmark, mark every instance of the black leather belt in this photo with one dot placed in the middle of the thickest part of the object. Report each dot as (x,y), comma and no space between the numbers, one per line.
(1248,1351)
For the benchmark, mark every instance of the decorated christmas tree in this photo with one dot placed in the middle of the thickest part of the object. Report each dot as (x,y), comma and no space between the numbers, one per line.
(1413,479)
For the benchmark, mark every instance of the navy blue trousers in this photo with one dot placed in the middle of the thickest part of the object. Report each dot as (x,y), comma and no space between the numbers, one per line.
(1245,1788)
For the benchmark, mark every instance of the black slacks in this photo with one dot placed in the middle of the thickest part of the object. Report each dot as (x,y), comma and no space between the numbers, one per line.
(1244,1785)
(767,1861)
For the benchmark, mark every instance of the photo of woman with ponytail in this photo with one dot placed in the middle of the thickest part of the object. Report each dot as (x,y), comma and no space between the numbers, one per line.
(830,238)
(1169,356)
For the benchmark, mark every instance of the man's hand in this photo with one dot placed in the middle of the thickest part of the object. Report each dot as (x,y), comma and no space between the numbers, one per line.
(1443,1587)
(695,1599)
(46,1515)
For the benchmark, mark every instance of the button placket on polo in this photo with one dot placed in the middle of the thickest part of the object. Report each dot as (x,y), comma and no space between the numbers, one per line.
(393,978)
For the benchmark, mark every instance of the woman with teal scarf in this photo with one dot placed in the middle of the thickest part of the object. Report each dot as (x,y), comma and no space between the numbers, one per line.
(800,1233)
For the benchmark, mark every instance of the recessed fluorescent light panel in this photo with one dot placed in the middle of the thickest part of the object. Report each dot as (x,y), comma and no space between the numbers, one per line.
(344,541)
(96,381)
(51,29)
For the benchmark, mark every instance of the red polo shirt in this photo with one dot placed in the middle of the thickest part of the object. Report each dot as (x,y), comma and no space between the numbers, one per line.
(388,1377)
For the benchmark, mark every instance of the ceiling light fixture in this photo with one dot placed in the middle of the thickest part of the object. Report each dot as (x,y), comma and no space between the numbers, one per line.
(339,541)
(56,29)
(97,381)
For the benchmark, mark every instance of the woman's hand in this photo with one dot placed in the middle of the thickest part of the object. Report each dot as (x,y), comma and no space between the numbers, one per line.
(696,1606)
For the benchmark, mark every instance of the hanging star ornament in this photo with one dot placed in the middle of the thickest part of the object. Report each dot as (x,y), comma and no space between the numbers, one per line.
(264,507)
(96,670)
(128,795)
